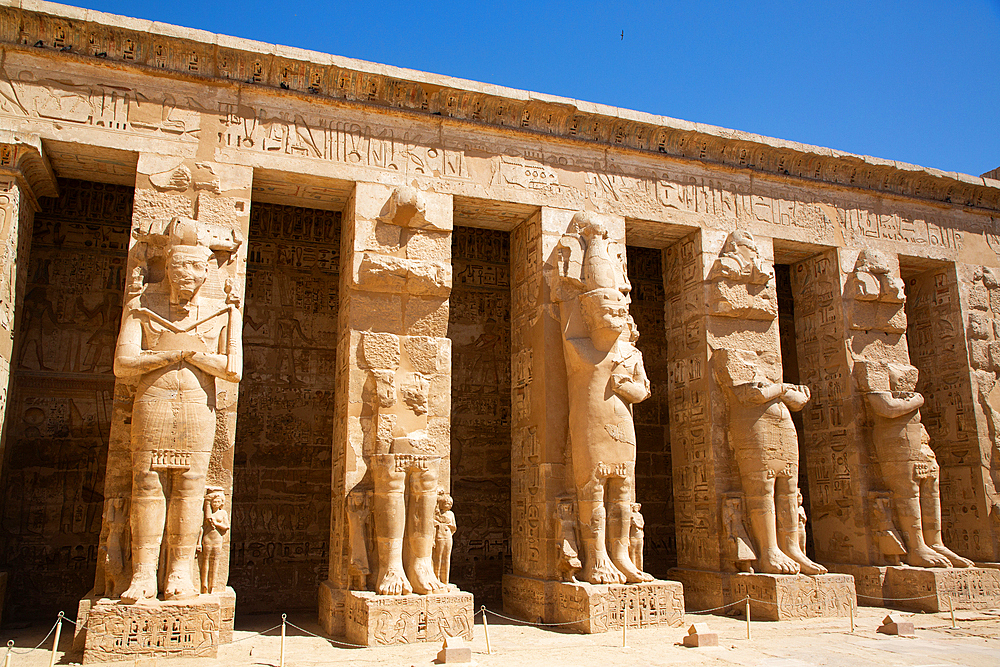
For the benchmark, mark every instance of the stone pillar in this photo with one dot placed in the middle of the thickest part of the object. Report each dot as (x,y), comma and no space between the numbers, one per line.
(215,199)
(391,443)
(873,472)
(25,174)
(547,539)
(939,348)
(735,458)
(970,460)
(840,470)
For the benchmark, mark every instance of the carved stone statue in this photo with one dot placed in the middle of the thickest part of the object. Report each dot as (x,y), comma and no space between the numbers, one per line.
(802,524)
(605,377)
(740,552)
(358,511)
(763,436)
(113,559)
(890,543)
(637,536)
(213,533)
(909,467)
(444,535)
(404,470)
(742,284)
(175,343)
(569,554)
(877,294)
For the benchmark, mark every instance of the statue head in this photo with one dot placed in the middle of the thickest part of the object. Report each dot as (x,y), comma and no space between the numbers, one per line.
(872,261)
(216,499)
(187,261)
(444,501)
(741,244)
(902,377)
(605,310)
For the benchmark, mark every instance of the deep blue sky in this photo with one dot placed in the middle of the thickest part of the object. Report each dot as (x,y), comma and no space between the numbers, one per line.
(914,81)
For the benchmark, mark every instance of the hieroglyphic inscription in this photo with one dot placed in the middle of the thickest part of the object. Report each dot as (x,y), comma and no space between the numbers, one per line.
(479,328)
(282,463)
(606,607)
(834,465)
(689,412)
(937,345)
(61,396)
(653,477)
(123,632)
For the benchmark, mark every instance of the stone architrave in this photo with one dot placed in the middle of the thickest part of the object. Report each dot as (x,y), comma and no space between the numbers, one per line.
(735,448)
(178,364)
(576,374)
(391,441)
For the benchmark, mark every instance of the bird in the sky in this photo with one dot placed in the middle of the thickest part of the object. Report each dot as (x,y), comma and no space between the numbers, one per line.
(623,34)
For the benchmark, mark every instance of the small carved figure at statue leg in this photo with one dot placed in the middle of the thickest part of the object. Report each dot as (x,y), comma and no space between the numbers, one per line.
(787,498)
(619,528)
(759,489)
(444,532)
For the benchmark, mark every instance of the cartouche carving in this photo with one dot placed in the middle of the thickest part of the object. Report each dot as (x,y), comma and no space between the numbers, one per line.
(605,377)
(763,437)
(175,345)
(909,467)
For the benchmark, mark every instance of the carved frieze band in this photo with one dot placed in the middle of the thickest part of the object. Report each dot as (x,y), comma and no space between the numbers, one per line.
(202,56)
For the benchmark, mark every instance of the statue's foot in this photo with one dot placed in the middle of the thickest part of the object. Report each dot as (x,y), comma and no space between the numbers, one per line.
(806,566)
(924,556)
(633,575)
(179,587)
(142,587)
(393,582)
(956,560)
(774,561)
(423,578)
(603,572)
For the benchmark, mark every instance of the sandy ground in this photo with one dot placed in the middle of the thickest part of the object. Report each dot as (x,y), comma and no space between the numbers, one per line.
(974,643)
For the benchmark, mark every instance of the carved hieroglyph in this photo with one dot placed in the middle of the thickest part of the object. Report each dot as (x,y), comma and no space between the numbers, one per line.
(176,341)
(605,376)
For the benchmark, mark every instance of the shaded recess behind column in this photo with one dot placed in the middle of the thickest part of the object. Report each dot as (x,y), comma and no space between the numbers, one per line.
(479,328)
(282,467)
(790,373)
(653,474)
(59,411)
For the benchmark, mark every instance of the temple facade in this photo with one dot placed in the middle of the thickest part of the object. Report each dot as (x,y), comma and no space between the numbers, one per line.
(286,331)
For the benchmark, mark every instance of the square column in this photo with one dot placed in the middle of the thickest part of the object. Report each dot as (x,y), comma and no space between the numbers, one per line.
(555,253)
(391,521)
(184,294)
(733,443)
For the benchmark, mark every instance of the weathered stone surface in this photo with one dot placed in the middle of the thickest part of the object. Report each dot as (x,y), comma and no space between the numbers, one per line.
(593,608)
(152,629)
(926,589)
(371,619)
(773,597)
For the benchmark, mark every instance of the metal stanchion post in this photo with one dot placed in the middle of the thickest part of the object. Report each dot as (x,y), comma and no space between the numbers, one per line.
(281,657)
(748,617)
(852,617)
(7,658)
(951,606)
(55,642)
(486,629)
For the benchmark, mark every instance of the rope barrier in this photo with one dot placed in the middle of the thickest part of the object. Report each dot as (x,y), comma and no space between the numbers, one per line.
(10,644)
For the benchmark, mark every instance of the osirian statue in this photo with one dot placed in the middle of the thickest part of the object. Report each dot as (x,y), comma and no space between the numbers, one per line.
(175,343)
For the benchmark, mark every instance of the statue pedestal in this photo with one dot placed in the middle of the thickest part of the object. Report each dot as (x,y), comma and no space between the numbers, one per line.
(925,589)
(370,619)
(593,608)
(773,597)
(153,629)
